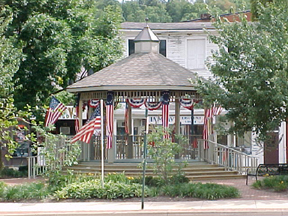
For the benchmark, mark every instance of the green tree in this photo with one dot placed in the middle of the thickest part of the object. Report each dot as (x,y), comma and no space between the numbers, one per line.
(178,9)
(163,152)
(134,11)
(60,39)
(250,71)
(9,63)
(256,5)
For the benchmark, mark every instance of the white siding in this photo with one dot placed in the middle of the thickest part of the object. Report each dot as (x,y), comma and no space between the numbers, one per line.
(175,47)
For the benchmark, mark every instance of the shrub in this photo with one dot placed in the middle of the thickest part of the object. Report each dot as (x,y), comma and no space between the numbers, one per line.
(257,184)
(2,188)
(203,191)
(7,172)
(163,152)
(93,189)
(26,191)
(178,179)
(117,177)
(277,183)
(156,181)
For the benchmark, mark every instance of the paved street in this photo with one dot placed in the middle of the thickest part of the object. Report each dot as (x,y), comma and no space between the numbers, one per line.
(229,207)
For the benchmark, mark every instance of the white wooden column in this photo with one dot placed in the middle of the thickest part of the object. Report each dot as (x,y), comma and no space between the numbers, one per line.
(80,113)
(112,151)
(177,122)
(130,135)
(90,145)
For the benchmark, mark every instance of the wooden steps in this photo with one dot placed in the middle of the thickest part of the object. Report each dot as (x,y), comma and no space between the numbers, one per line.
(194,170)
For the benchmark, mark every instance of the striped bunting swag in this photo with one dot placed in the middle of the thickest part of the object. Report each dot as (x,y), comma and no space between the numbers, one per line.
(153,105)
(94,103)
(109,119)
(187,103)
(136,102)
(86,132)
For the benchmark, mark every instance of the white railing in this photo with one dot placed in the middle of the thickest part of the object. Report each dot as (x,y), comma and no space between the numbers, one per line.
(37,164)
(227,157)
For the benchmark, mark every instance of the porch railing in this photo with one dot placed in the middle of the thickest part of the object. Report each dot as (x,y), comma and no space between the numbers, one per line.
(37,164)
(227,157)
(188,150)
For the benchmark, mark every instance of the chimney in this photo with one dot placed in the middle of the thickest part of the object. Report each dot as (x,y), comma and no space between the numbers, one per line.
(205,16)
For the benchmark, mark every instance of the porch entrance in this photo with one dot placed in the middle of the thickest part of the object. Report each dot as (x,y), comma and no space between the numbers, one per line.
(271,149)
(92,151)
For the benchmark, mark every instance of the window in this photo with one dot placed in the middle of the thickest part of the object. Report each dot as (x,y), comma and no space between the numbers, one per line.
(196,53)
(162,47)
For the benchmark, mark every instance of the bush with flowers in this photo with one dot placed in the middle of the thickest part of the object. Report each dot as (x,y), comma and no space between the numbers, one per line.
(277,183)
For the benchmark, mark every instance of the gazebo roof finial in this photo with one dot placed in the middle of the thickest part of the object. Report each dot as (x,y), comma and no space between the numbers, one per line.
(146,35)
(146,20)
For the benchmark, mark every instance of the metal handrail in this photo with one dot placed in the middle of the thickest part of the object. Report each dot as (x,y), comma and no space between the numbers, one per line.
(227,157)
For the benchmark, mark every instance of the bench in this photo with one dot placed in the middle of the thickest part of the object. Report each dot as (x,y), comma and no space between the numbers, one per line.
(267,170)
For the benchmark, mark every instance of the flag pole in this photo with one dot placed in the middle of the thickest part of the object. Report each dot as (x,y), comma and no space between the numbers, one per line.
(102,145)
(144,157)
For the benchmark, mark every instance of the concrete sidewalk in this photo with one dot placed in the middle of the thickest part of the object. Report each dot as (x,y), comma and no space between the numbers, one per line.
(251,200)
(150,208)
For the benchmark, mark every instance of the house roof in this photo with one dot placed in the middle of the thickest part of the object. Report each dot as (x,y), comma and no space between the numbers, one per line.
(168,26)
(140,71)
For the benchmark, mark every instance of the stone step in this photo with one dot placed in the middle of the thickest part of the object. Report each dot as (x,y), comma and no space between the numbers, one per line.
(136,173)
(192,177)
(216,177)
(137,169)
(194,170)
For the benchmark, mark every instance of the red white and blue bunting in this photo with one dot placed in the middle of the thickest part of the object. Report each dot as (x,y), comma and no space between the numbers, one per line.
(153,105)
(136,102)
(94,103)
(187,103)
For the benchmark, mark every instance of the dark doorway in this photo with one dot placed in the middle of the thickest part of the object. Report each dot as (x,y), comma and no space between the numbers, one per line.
(271,149)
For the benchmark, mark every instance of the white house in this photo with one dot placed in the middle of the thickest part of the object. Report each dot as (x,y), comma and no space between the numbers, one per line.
(187,44)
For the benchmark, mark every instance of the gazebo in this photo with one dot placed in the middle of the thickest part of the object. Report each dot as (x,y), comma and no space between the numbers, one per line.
(145,77)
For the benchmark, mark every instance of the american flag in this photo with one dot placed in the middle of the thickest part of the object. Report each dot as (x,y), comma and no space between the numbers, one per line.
(165,112)
(54,111)
(216,110)
(209,113)
(86,132)
(127,121)
(195,142)
(109,118)
(207,119)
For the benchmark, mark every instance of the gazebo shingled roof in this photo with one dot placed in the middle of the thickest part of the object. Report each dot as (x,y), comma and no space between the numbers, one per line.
(139,71)
(143,74)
